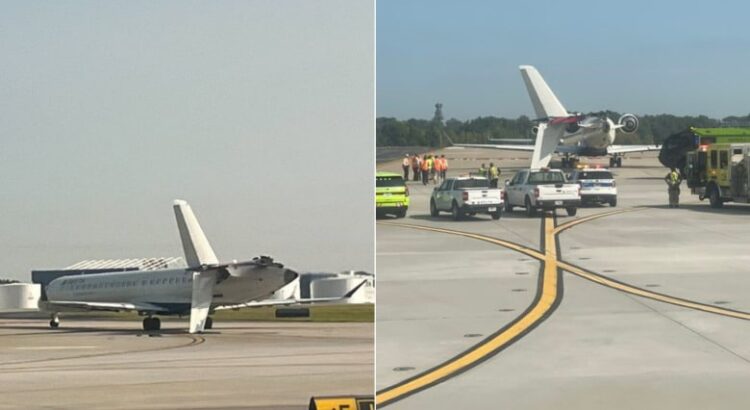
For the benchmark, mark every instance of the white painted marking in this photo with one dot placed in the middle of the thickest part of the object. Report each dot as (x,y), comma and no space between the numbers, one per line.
(55,347)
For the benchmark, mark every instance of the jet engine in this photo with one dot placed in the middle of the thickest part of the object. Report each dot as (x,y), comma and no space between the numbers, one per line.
(629,123)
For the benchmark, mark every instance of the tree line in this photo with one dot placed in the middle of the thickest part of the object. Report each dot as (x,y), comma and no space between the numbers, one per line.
(653,129)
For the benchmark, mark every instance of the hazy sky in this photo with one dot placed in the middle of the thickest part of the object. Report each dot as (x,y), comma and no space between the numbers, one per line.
(258,113)
(645,57)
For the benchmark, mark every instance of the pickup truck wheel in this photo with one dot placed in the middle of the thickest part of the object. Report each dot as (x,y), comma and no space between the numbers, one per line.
(508,206)
(530,211)
(455,212)
(496,215)
(572,211)
(433,209)
(613,202)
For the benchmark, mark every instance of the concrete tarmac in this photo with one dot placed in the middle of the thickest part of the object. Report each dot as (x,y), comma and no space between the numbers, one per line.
(440,294)
(96,364)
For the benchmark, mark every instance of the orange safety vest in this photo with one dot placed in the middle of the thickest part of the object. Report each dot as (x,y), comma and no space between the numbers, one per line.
(426,165)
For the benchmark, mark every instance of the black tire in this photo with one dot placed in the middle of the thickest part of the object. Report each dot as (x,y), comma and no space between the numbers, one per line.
(54,324)
(611,162)
(613,202)
(155,324)
(530,210)
(572,211)
(401,213)
(714,198)
(209,323)
(508,206)
(619,162)
(496,215)
(147,324)
(456,212)
(433,209)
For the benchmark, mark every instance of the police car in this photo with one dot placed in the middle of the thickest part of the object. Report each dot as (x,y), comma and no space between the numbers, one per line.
(597,185)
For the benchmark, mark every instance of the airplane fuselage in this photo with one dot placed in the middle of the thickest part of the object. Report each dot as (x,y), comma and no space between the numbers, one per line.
(168,289)
(591,136)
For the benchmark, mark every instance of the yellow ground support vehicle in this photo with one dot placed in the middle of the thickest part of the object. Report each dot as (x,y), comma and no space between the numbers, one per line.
(391,194)
(719,172)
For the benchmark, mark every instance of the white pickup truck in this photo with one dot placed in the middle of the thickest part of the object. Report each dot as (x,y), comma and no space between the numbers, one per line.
(467,195)
(543,188)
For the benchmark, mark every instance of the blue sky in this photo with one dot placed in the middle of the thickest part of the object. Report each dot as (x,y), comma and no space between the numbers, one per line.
(110,110)
(645,57)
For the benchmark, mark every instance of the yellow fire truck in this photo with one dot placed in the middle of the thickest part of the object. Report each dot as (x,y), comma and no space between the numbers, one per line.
(719,172)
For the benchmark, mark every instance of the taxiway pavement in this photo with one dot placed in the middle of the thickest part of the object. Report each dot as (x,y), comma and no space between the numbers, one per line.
(237,365)
(660,322)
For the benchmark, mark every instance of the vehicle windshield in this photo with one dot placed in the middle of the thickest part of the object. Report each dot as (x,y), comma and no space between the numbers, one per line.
(595,175)
(385,182)
(471,183)
(538,178)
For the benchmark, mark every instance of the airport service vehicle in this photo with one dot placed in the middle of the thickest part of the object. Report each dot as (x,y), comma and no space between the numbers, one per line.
(542,188)
(466,195)
(719,172)
(567,133)
(391,194)
(597,185)
(204,286)
(674,150)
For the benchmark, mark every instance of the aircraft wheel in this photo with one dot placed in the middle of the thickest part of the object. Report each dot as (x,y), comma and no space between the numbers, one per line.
(209,323)
(611,162)
(619,162)
(54,324)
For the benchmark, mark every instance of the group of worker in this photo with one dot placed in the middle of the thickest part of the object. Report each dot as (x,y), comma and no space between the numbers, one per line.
(428,167)
(492,174)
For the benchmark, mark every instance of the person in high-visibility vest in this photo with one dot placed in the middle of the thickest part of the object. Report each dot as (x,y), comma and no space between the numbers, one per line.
(494,173)
(405,164)
(673,180)
(426,165)
(483,171)
(443,167)
(438,168)
(432,168)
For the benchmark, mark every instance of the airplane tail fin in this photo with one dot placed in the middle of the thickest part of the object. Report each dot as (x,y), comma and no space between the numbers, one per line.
(194,242)
(544,100)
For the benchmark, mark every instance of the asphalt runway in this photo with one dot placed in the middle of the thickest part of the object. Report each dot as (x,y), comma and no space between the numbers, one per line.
(633,307)
(94,364)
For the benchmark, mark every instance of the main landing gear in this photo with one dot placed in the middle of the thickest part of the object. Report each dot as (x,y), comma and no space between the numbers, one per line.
(615,161)
(209,323)
(568,162)
(54,322)
(151,323)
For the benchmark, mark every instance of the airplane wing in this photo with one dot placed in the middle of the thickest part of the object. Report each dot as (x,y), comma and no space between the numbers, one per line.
(624,149)
(509,147)
(105,306)
(293,301)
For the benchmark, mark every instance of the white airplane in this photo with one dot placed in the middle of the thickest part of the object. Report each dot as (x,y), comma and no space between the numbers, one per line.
(570,134)
(204,286)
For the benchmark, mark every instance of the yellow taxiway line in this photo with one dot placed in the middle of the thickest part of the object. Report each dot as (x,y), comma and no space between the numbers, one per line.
(547,298)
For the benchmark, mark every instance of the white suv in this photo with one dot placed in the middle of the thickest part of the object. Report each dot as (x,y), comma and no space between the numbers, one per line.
(597,185)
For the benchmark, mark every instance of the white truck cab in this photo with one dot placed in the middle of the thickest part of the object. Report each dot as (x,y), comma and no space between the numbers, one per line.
(541,188)
(466,195)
